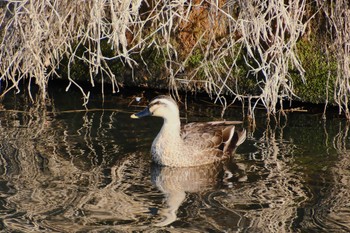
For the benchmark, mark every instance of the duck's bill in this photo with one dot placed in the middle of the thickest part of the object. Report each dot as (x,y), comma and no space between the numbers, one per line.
(141,114)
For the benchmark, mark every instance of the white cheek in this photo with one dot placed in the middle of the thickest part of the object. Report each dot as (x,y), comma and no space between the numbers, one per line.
(160,112)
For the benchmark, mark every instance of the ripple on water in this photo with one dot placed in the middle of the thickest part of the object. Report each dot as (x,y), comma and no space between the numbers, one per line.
(91,171)
(331,210)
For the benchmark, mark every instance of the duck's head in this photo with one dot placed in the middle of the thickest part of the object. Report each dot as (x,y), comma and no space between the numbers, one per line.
(161,106)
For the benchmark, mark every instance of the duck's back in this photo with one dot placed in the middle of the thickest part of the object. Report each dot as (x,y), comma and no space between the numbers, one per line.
(216,138)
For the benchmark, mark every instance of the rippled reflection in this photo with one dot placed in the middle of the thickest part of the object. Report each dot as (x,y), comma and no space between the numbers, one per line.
(90,171)
(175,183)
(331,213)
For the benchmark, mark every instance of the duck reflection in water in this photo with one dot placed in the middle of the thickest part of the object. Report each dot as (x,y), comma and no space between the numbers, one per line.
(175,182)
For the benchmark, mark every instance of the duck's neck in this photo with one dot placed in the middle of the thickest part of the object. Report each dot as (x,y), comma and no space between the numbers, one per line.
(171,126)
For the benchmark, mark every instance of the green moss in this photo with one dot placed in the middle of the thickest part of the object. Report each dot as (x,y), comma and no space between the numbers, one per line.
(195,59)
(320,73)
(151,70)
(79,70)
(247,82)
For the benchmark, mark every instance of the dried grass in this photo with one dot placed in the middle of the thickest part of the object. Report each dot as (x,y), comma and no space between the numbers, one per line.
(37,35)
(338,15)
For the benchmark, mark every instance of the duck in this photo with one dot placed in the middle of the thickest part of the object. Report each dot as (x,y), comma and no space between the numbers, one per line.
(192,144)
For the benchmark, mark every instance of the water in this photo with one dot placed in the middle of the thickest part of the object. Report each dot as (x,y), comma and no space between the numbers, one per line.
(64,169)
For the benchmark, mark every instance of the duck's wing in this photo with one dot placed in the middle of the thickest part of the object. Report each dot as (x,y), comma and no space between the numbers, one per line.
(220,137)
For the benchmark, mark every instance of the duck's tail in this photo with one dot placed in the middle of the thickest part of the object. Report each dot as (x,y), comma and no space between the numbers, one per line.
(241,136)
(236,138)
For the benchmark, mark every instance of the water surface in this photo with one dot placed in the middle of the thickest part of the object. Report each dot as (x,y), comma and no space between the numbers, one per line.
(65,169)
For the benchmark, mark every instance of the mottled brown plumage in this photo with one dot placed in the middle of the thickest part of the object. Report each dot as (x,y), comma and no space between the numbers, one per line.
(218,136)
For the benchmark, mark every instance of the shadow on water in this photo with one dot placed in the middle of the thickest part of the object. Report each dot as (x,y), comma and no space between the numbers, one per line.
(90,171)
